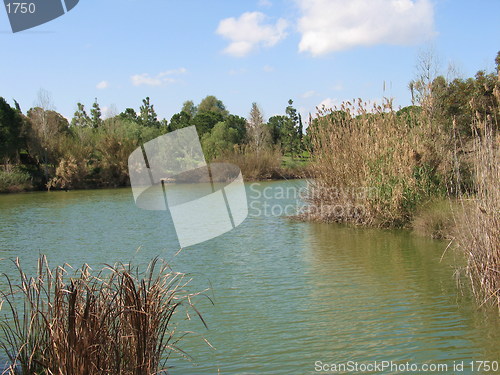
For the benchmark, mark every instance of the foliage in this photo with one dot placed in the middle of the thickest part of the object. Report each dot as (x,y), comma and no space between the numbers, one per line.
(211,104)
(95,114)
(147,114)
(80,118)
(11,132)
(219,141)
(14,180)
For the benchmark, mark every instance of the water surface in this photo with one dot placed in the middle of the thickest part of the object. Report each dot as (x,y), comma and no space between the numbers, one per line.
(286,294)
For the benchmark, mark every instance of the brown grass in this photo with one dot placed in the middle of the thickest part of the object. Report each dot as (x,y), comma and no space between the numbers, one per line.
(263,164)
(478,220)
(116,322)
(372,166)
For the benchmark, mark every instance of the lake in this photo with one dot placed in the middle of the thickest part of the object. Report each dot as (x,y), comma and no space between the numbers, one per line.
(289,297)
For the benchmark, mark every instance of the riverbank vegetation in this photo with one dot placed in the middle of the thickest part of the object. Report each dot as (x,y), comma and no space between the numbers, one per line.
(116,321)
(433,166)
(40,149)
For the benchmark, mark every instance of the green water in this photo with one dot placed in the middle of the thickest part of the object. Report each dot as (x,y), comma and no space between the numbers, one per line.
(286,294)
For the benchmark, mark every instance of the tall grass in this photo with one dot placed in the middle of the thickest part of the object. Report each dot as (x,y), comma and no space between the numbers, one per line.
(14,180)
(114,322)
(372,166)
(478,221)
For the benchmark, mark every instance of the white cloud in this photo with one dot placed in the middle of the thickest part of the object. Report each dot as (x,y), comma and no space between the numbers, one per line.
(335,25)
(102,85)
(308,94)
(158,80)
(268,68)
(328,103)
(249,32)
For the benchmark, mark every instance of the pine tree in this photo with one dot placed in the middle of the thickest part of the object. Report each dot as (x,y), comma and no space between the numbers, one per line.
(95,114)
(148,116)
(80,118)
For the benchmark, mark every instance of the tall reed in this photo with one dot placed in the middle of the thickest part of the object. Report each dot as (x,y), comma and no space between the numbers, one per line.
(371,165)
(114,322)
(478,221)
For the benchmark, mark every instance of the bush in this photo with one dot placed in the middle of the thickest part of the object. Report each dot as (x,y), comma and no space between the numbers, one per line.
(14,180)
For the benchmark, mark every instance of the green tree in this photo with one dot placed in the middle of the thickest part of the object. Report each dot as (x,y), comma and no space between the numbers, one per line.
(240,125)
(219,141)
(189,107)
(11,132)
(212,104)
(147,114)
(81,118)
(95,115)
(129,114)
(275,124)
(205,121)
(291,132)
(179,121)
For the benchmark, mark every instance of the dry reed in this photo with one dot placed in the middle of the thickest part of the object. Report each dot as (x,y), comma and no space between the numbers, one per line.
(116,322)
(478,220)
(372,166)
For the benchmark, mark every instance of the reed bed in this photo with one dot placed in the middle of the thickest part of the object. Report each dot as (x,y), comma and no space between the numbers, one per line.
(116,321)
(478,220)
(372,166)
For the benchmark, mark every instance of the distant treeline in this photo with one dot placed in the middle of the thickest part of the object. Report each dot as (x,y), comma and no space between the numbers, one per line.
(41,149)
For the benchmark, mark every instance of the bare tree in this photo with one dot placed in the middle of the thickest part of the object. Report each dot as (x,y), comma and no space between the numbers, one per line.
(258,132)
(427,70)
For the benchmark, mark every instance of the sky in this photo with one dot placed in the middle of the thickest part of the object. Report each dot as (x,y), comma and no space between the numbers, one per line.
(314,52)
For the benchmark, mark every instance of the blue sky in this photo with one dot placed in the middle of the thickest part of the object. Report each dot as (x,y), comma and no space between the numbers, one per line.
(264,51)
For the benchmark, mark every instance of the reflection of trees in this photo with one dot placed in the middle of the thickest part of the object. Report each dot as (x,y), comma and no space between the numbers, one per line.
(383,294)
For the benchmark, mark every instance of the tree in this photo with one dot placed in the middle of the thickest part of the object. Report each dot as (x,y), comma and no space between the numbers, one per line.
(258,134)
(220,140)
(421,87)
(80,118)
(179,121)
(11,132)
(205,121)
(212,104)
(275,124)
(240,125)
(95,114)
(129,114)
(290,136)
(147,114)
(189,108)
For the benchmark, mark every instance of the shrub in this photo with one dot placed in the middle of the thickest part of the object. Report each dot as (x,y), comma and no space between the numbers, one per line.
(14,180)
